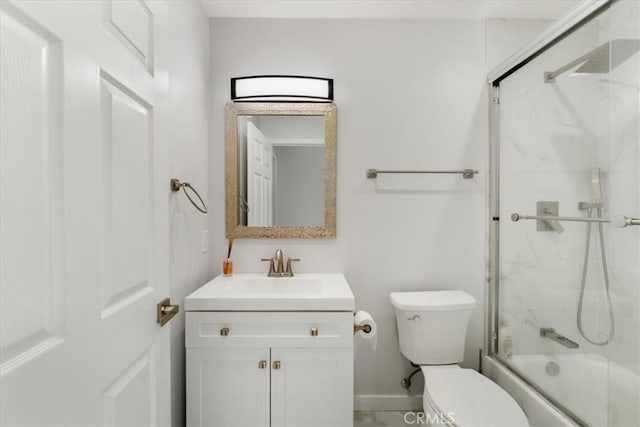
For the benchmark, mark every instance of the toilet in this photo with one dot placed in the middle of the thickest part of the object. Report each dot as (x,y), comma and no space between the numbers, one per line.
(432,327)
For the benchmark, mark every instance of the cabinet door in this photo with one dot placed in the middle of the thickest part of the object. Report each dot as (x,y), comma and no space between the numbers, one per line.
(311,387)
(228,387)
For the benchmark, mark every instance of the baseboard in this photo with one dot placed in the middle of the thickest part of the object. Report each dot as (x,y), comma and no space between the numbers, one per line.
(387,402)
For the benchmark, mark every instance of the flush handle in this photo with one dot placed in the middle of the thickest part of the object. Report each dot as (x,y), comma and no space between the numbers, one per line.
(416,318)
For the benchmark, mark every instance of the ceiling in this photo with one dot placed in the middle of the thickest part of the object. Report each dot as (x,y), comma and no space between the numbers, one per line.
(389,9)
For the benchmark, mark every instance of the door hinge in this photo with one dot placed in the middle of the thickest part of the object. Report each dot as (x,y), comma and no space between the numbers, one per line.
(496,95)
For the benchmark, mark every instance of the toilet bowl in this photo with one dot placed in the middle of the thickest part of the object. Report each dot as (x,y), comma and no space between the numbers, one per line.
(432,327)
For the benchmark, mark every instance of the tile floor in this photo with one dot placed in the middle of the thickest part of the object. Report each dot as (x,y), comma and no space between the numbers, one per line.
(382,418)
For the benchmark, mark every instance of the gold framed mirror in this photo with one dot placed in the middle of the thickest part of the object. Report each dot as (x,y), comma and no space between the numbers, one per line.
(280,170)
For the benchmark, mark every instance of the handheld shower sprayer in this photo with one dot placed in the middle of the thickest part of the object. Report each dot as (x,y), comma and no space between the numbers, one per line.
(596,187)
(595,204)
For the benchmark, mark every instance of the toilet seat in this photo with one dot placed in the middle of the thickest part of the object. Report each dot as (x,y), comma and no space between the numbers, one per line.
(468,398)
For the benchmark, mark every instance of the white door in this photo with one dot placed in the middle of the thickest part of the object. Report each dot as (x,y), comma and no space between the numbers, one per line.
(228,387)
(84,213)
(311,387)
(259,178)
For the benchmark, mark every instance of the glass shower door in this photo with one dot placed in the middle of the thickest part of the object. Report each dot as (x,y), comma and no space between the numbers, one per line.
(568,291)
(623,91)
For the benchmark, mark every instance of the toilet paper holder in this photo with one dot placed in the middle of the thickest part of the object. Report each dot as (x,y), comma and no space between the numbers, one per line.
(365,328)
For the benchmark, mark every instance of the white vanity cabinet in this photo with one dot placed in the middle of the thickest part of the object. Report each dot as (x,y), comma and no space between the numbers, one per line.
(269,368)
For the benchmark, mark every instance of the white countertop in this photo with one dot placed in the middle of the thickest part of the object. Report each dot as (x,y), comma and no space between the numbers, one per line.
(257,292)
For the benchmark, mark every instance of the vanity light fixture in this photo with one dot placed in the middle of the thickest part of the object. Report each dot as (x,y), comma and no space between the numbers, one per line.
(276,88)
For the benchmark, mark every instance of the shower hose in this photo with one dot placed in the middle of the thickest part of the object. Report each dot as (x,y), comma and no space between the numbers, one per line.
(606,282)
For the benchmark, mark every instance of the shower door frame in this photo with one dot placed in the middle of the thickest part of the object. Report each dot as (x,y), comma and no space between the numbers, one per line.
(556,32)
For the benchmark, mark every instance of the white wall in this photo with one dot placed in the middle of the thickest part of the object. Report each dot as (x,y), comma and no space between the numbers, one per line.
(299,186)
(299,168)
(188,101)
(410,95)
(504,37)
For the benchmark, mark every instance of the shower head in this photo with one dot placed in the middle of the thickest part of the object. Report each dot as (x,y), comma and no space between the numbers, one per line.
(605,58)
(600,60)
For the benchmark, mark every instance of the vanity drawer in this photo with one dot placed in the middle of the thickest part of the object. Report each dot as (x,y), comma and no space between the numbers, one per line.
(273,329)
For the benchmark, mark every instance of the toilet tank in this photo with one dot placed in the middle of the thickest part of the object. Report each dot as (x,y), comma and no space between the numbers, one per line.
(432,325)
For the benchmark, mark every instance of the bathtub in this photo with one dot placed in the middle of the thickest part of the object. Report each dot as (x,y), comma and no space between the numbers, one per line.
(593,389)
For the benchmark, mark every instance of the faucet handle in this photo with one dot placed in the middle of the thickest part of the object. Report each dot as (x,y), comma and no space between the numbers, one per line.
(289,271)
(271,265)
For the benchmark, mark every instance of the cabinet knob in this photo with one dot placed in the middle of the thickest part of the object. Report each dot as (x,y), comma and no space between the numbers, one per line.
(276,364)
(314,332)
(224,332)
(262,364)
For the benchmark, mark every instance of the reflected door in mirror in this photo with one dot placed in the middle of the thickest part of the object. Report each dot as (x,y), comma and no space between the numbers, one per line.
(259,178)
(281,171)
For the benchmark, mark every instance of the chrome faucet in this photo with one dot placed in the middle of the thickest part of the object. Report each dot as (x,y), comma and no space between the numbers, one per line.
(278,261)
(276,265)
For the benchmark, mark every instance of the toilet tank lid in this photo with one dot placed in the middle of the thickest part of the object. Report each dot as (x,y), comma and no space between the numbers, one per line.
(432,300)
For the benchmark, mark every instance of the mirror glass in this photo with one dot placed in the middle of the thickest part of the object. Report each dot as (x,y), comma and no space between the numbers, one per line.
(280,170)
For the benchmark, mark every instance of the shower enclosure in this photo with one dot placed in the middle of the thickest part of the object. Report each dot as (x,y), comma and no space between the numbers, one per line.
(565,203)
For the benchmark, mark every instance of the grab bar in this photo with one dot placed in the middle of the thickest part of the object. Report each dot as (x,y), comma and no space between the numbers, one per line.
(560,339)
(466,173)
(617,221)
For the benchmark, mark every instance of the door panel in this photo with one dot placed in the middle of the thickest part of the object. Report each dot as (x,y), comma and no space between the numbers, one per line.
(122,405)
(84,225)
(131,22)
(31,105)
(127,206)
(260,177)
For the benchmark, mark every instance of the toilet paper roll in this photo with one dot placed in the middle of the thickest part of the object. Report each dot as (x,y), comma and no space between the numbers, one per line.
(363,322)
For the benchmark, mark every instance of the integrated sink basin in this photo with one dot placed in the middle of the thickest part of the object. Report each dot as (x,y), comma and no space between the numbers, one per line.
(257,292)
(270,285)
